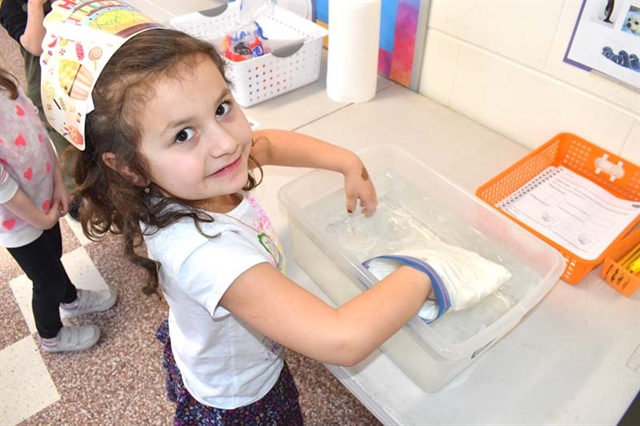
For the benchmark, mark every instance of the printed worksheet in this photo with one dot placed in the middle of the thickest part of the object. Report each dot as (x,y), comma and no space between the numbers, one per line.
(572,211)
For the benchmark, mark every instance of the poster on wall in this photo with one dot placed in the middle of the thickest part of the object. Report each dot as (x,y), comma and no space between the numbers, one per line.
(606,39)
(402,37)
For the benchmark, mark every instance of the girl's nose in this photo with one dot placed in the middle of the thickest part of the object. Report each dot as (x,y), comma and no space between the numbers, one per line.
(221,142)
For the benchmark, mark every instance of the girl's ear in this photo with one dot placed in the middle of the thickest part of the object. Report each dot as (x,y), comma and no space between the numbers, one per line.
(112,162)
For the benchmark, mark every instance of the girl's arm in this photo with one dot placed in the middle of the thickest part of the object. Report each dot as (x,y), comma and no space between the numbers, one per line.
(270,303)
(24,208)
(34,33)
(284,148)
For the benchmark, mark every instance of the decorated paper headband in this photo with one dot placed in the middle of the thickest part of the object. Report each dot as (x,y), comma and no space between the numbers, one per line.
(81,36)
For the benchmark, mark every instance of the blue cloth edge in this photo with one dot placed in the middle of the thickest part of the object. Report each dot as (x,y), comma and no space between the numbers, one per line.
(442,295)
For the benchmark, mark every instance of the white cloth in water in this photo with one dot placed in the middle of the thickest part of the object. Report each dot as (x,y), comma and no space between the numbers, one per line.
(467,277)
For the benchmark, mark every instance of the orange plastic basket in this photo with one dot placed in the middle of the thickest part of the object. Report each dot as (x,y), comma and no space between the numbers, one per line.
(612,271)
(580,156)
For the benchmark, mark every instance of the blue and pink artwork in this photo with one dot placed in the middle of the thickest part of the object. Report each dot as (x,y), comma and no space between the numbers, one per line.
(398,29)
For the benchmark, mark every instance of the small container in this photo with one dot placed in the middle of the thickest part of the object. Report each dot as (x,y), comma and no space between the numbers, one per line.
(416,201)
(612,271)
(583,158)
(294,60)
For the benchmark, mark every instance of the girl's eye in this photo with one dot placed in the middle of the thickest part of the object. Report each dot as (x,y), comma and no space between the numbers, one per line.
(223,109)
(184,135)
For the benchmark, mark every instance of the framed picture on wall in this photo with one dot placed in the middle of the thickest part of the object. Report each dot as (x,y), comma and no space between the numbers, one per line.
(606,39)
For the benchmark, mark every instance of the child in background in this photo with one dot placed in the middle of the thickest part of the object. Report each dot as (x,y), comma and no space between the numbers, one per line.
(33,197)
(22,20)
(167,159)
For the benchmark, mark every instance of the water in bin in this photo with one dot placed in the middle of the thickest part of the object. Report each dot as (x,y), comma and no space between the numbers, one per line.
(405,219)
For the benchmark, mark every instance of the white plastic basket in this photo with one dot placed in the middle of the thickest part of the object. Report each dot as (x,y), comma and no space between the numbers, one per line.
(294,64)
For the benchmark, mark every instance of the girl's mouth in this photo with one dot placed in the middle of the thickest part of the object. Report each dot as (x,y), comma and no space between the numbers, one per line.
(228,169)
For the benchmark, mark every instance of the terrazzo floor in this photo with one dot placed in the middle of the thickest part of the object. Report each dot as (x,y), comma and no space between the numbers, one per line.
(120,381)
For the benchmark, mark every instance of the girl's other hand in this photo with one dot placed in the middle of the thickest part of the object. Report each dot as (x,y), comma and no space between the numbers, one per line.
(358,186)
(53,215)
(60,192)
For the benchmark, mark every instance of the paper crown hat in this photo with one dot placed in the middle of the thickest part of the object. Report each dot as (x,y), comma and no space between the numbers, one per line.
(81,36)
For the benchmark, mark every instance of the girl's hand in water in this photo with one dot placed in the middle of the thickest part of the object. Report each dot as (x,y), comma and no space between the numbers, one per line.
(358,186)
(284,148)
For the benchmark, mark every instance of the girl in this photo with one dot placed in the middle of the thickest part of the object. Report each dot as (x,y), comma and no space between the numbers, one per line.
(33,197)
(22,19)
(169,161)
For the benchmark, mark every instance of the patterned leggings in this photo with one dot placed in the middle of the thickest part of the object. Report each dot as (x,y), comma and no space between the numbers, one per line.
(278,407)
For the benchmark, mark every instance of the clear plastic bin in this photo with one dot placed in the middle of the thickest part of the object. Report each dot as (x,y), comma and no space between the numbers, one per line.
(416,202)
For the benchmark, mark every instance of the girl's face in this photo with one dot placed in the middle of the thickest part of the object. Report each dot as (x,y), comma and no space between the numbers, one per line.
(195,137)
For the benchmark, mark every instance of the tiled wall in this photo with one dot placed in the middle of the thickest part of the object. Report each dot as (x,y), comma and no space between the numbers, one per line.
(500,63)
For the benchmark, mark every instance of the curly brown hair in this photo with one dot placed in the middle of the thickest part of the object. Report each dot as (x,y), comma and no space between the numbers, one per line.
(116,202)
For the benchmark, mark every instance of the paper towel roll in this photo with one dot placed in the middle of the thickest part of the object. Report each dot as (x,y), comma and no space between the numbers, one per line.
(354,35)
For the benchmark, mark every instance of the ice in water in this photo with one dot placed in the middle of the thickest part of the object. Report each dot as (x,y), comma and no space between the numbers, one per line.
(390,229)
(406,218)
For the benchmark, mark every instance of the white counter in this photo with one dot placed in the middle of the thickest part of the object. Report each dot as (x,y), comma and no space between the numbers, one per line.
(565,363)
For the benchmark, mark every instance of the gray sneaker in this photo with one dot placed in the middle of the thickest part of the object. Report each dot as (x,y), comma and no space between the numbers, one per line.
(88,301)
(72,339)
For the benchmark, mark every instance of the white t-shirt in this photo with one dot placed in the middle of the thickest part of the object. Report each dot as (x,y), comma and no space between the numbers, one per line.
(223,363)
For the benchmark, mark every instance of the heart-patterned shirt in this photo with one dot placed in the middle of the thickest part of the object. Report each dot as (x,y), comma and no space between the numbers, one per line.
(26,162)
